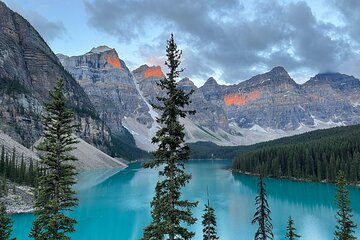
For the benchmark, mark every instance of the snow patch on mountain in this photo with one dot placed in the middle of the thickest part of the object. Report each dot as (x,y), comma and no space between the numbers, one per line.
(257,128)
(141,133)
(322,124)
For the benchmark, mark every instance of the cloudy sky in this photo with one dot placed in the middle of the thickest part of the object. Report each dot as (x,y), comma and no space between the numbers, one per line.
(231,40)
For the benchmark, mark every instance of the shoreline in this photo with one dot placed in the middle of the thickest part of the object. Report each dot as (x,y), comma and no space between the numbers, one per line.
(293,179)
(20,201)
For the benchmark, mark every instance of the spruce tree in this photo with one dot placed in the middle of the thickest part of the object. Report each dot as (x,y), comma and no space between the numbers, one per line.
(290,230)
(54,193)
(209,222)
(22,171)
(2,160)
(4,185)
(169,212)
(31,174)
(5,224)
(12,172)
(262,214)
(155,230)
(345,225)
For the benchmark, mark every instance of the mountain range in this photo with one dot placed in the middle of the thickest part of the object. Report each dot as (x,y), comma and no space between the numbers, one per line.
(28,71)
(264,107)
(113,104)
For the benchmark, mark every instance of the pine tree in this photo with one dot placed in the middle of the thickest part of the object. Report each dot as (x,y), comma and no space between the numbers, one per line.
(155,230)
(4,185)
(170,214)
(54,193)
(5,224)
(31,174)
(12,173)
(2,160)
(262,214)
(7,166)
(209,222)
(290,230)
(22,171)
(345,225)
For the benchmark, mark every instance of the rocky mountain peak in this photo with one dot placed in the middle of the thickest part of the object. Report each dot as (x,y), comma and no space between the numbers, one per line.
(98,59)
(186,84)
(111,87)
(153,71)
(145,72)
(275,77)
(2,5)
(109,55)
(211,82)
(28,71)
(331,77)
(101,49)
(280,71)
(335,80)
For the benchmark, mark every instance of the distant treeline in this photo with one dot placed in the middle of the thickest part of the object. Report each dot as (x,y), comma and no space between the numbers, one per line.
(14,169)
(317,155)
(207,150)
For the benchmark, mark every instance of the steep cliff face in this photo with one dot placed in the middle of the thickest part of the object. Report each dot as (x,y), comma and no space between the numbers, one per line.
(28,71)
(147,78)
(267,106)
(111,87)
(271,100)
(334,97)
(203,101)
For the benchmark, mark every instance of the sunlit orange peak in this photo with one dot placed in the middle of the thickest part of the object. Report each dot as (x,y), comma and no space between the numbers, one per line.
(113,61)
(241,99)
(153,72)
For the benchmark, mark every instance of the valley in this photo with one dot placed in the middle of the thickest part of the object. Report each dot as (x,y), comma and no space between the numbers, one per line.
(265,107)
(118,141)
(123,213)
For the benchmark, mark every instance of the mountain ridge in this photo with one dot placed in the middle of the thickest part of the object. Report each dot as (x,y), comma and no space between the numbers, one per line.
(28,71)
(266,106)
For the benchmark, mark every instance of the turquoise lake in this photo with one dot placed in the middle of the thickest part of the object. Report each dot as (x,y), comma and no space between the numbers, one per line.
(115,204)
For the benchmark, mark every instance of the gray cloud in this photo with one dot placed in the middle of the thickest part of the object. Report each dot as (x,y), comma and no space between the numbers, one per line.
(349,9)
(229,37)
(48,29)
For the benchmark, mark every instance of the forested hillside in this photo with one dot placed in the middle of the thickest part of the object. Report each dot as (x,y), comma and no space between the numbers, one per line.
(13,168)
(317,156)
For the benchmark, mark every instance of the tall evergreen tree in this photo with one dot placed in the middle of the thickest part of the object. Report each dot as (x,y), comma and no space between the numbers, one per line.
(169,212)
(290,230)
(262,214)
(54,192)
(209,222)
(12,173)
(345,225)
(155,230)
(31,176)
(22,171)
(5,224)
(4,185)
(2,159)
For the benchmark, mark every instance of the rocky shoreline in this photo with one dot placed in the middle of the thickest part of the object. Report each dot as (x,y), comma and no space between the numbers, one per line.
(19,199)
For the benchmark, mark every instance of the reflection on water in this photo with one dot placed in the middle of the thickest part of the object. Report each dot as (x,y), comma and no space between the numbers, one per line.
(90,179)
(115,205)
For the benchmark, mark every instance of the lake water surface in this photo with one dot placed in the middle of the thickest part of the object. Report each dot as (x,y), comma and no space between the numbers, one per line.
(115,204)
